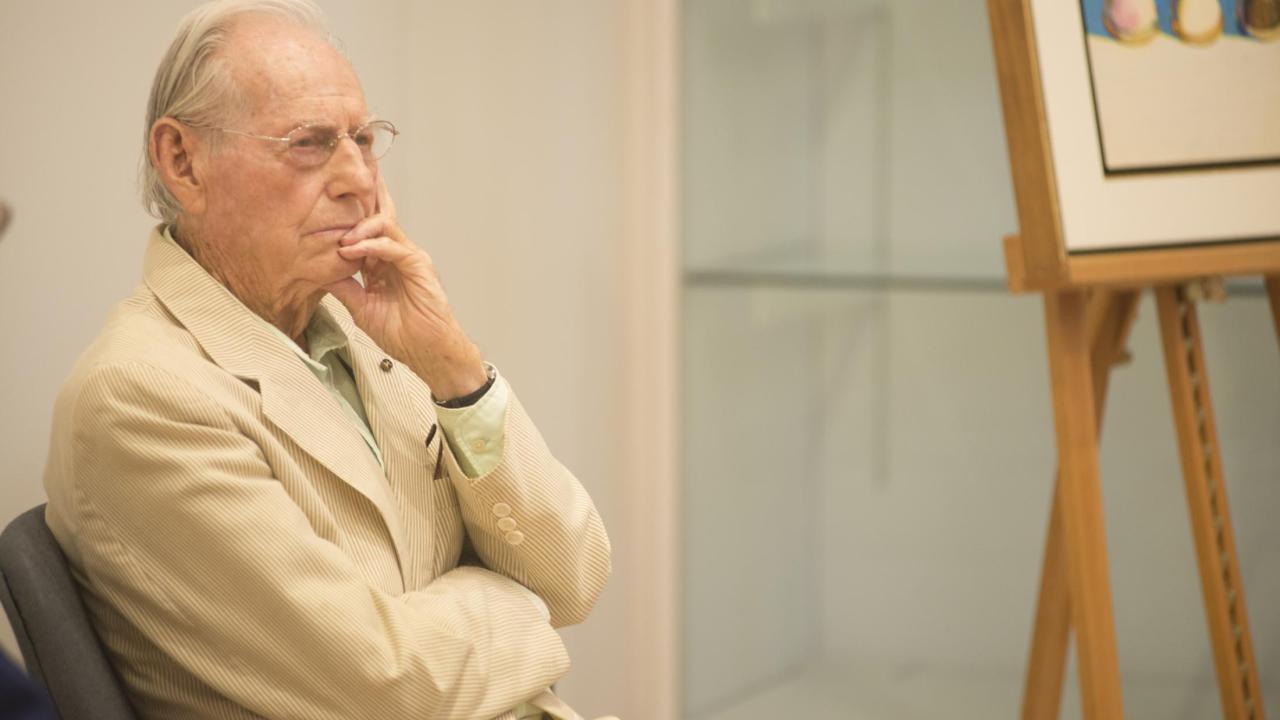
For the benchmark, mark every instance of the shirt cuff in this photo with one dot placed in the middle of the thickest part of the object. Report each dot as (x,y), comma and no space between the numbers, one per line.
(476,433)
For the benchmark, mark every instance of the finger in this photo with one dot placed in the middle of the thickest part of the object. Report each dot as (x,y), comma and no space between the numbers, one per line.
(382,248)
(370,227)
(350,293)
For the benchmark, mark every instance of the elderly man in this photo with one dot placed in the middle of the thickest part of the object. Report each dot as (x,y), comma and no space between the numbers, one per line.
(287,493)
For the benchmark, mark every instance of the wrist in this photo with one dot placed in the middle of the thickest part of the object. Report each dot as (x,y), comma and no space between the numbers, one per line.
(456,401)
(453,379)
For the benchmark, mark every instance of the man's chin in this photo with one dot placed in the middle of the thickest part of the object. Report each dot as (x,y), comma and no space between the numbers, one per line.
(336,269)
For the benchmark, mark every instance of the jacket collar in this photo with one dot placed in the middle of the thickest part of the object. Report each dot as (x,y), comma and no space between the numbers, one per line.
(293,399)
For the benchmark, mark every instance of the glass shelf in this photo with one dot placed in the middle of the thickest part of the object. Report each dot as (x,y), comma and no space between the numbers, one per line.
(838,280)
(841,281)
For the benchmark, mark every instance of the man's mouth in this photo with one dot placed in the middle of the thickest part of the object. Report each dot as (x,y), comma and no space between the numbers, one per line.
(332,232)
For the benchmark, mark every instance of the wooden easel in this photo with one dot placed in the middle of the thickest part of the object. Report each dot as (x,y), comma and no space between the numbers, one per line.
(1090,301)
(1087,331)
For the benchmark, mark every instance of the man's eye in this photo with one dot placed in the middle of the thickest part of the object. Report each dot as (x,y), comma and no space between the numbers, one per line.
(364,138)
(309,141)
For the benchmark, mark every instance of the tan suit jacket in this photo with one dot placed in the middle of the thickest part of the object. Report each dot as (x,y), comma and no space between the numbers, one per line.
(242,554)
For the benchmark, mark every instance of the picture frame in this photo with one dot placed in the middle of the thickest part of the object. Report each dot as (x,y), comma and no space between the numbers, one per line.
(1083,222)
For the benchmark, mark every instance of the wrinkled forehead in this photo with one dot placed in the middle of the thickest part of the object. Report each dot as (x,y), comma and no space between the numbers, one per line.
(287,76)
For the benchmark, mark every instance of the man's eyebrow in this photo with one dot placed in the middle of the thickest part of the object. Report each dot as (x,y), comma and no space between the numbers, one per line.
(307,123)
(325,123)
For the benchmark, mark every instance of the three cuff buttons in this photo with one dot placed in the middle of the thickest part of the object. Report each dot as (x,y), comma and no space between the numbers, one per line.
(507,524)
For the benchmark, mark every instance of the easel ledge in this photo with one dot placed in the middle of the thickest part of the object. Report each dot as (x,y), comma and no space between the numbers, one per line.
(1141,268)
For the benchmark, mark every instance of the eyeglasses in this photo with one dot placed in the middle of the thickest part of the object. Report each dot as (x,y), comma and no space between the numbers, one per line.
(313,145)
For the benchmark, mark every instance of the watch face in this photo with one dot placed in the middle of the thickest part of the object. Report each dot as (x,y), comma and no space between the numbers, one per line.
(491,374)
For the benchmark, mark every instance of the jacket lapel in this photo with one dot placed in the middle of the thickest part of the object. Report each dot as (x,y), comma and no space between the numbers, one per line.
(292,398)
(400,426)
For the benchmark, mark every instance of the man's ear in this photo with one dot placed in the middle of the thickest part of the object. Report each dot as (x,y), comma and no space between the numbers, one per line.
(177,153)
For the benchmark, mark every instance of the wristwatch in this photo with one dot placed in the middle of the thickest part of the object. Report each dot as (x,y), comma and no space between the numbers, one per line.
(471,398)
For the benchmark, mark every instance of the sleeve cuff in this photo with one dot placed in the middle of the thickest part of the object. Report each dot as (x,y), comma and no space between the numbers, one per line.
(476,433)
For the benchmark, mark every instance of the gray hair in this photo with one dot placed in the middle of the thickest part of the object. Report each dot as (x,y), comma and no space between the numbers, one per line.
(193,84)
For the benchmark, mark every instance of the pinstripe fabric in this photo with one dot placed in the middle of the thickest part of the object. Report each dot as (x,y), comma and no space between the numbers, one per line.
(242,555)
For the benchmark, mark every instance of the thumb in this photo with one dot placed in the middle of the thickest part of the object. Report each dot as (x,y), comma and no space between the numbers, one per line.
(350,293)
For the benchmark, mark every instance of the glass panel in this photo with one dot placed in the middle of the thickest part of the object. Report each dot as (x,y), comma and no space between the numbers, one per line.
(867,478)
(842,137)
(868,448)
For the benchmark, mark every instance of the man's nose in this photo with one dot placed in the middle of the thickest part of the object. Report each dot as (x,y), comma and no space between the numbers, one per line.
(351,174)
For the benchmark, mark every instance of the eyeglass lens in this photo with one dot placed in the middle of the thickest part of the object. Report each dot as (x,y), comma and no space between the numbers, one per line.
(313,145)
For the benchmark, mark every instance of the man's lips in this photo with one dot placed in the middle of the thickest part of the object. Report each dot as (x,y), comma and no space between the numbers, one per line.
(332,232)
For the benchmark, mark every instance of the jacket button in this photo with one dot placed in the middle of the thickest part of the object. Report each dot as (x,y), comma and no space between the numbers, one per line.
(515,537)
(501,510)
(385,364)
(506,524)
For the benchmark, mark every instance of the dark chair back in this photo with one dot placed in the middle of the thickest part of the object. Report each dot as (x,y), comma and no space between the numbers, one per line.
(59,646)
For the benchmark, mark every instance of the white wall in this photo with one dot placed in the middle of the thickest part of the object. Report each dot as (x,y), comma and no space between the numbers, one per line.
(517,192)
(509,171)
(74,98)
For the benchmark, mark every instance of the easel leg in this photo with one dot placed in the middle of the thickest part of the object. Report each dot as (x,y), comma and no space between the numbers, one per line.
(1079,497)
(1042,694)
(1220,579)
(1273,292)
(1109,318)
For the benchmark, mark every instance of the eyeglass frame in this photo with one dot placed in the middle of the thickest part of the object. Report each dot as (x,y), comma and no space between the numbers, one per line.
(333,146)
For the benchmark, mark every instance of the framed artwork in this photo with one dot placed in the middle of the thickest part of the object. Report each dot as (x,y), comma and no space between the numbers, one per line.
(1139,125)
(1184,85)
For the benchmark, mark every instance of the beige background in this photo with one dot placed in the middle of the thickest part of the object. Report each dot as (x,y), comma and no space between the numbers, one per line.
(509,171)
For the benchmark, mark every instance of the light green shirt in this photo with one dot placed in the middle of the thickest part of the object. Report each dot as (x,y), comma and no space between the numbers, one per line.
(474,433)
(328,361)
